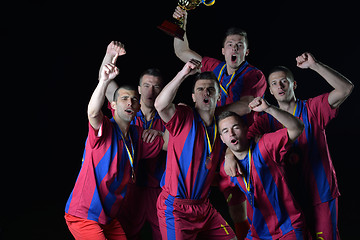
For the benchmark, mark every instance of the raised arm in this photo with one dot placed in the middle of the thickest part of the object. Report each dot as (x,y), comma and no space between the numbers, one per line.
(107,73)
(240,107)
(164,101)
(113,50)
(293,125)
(342,86)
(182,49)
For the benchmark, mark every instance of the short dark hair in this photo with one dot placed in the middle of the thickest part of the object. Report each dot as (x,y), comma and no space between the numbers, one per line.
(208,76)
(227,114)
(152,72)
(126,87)
(284,69)
(236,31)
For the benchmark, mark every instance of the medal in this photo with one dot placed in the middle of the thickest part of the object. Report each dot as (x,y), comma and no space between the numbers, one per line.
(130,155)
(133,176)
(208,161)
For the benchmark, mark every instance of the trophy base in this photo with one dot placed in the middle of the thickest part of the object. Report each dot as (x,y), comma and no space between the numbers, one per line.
(172,29)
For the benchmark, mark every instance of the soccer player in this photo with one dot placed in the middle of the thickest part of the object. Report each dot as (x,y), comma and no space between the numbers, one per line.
(315,185)
(141,197)
(275,214)
(113,148)
(194,147)
(239,81)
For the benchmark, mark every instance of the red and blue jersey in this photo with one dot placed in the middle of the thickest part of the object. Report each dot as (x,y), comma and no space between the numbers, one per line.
(105,172)
(188,174)
(246,81)
(150,170)
(317,181)
(274,210)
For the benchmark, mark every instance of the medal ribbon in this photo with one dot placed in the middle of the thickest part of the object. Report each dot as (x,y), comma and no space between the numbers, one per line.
(131,155)
(293,112)
(247,183)
(227,85)
(145,122)
(210,147)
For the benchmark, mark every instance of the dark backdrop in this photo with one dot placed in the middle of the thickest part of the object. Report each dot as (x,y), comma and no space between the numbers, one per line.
(55,52)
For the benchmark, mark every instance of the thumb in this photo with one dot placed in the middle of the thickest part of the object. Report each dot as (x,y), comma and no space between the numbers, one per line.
(115,58)
(239,169)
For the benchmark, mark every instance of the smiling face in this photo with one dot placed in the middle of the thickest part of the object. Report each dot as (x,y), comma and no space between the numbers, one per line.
(206,94)
(126,105)
(233,133)
(281,86)
(149,89)
(235,50)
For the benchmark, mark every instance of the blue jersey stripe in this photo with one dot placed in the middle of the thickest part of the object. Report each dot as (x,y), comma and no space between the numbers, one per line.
(95,208)
(271,191)
(185,161)
(169,217)
(200,178)
(315,158)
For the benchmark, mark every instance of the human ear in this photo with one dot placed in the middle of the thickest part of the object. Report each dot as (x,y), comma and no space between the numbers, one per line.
(113,105)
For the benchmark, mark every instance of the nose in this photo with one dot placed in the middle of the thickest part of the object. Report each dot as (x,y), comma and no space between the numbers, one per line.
(281,85)
(207,92)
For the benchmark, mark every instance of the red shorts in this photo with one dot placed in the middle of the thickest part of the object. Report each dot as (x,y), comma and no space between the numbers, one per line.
(84,229)
(190,219)
(139,206)
(323,220)
(297,234)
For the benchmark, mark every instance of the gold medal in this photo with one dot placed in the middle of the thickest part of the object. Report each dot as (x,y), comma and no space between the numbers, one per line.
(208,162)
(133,177)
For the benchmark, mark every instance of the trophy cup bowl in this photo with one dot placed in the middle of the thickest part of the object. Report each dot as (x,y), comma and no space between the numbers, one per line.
(175,28)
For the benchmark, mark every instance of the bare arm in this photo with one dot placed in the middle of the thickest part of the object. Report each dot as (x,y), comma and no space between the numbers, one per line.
(342,86)
(293,125)
(164,101)
(182,49)
(113,50)
(95,115)
(240,107)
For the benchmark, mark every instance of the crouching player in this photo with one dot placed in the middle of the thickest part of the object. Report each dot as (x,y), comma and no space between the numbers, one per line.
(275,214)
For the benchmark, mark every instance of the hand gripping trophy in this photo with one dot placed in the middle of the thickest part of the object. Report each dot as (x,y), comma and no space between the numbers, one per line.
(175,28)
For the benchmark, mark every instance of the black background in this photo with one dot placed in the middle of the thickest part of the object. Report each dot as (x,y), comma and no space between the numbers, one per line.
(52,53)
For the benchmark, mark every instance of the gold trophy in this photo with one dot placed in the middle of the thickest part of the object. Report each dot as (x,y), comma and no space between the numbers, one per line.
(175,28)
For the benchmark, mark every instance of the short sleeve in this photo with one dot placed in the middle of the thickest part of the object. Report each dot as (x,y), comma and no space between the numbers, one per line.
(259,127)
(254,84)
(182,116)
(209,64)
(97,137)
(275,145)
(320,110)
